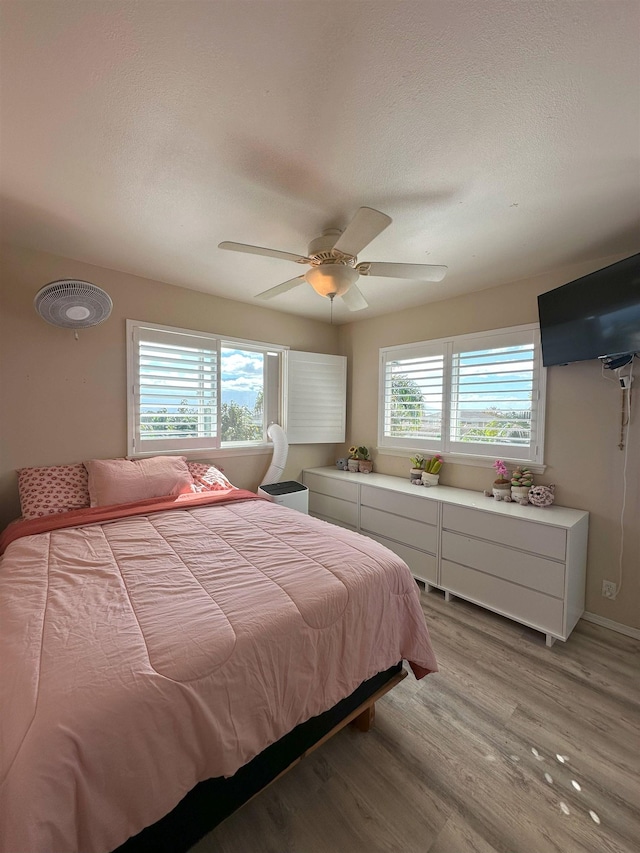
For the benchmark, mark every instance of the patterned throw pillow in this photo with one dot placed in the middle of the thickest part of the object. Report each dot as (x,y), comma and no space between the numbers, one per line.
(56,488)
(207,478)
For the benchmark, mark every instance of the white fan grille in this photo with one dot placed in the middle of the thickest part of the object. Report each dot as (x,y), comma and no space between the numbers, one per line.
(73,304)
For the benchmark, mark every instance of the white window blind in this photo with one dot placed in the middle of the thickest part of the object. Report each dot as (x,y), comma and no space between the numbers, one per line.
(413,382)
(196,391)
(315,398)
(192,391)
(494,395)
(175,390)
(475,395)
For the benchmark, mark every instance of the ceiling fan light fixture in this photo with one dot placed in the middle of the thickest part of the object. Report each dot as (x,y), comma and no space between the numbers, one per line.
(333,258)
(331,280)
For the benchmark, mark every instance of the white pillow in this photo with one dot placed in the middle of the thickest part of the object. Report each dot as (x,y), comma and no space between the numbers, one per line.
(122,481)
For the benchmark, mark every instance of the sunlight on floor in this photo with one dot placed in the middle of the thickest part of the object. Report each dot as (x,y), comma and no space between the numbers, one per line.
(563,761)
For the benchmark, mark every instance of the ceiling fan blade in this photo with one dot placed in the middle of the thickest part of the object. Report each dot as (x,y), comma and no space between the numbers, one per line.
(354,300)
(422,272)
(258,250)
(363,228)
(280,288)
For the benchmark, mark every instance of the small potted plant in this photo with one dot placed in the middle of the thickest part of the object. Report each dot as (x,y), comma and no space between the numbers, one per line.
(353,462)
(521,482)
(502,483)
(415,472)
(431,473)
(365,465)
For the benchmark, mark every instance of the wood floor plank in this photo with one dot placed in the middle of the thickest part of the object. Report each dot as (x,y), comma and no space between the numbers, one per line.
(459,836)
(469,760)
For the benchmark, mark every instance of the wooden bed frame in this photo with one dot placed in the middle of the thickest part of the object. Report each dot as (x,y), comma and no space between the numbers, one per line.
(210,802)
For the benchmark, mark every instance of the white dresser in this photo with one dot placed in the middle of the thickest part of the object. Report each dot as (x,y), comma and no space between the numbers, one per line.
(524,562)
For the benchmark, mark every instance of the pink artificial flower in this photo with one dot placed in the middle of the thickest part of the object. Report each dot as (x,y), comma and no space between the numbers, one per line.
(501,468)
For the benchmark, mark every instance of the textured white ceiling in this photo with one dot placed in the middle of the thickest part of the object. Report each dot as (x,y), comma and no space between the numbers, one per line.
(502,137)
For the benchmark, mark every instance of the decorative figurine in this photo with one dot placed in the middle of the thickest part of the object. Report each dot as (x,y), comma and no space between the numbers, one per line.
(502,484)
(542,495)
(521,482)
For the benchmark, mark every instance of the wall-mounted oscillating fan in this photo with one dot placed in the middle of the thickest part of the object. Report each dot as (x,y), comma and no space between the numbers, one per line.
(73,304)
(333,260)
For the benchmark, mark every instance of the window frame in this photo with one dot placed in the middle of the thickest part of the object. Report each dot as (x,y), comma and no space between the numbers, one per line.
(205,445)
(478,454)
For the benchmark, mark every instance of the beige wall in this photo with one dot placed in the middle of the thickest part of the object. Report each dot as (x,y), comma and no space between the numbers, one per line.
(63,400)
(582,425)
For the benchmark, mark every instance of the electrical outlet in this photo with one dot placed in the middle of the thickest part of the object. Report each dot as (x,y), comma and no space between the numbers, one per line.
(609,589)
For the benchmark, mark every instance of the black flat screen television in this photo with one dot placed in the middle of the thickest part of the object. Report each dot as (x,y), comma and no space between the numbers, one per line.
(594,316)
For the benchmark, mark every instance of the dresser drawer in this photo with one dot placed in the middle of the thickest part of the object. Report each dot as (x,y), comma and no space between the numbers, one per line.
(338,522)
(512,532)
(409,506)
(329,508)
(333,487)
(527,605)
(406,530)
(423,566)
(528,570)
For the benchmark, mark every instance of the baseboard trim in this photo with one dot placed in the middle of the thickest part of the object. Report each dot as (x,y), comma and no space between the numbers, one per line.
(613,626)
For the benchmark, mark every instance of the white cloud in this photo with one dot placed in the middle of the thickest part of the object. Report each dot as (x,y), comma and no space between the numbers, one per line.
(235,363)
(243,383)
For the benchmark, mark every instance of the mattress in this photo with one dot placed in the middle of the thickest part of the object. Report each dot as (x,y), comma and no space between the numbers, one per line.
(160,646)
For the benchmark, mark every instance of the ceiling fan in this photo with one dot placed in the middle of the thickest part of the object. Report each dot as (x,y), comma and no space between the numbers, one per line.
(333,259)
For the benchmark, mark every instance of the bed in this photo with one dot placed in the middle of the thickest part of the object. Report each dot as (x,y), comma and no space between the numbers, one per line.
(151,645)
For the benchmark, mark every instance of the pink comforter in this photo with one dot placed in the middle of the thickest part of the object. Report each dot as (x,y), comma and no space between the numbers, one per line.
(140,656)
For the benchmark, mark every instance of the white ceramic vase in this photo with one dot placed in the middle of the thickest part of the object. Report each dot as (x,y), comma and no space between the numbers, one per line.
(520,493)
(430,479)
(500,492)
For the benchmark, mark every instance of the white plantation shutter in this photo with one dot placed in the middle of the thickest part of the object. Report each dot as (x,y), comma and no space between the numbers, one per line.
(315,398)
(474,395)
(175,391)
(194,391)
(413,384)
(494,395)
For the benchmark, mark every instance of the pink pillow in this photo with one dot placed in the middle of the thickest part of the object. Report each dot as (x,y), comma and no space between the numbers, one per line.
(207,478)
(56,488)
(122,481)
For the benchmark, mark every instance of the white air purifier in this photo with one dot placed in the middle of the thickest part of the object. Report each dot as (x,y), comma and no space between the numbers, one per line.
(290,493)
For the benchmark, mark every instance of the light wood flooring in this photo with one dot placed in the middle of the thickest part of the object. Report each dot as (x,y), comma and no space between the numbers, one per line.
(511,747)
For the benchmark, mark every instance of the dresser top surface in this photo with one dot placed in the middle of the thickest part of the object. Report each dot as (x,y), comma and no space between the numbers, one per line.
(558,516)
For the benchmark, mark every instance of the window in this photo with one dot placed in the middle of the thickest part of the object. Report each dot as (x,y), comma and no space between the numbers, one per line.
(195,391)
(473,395)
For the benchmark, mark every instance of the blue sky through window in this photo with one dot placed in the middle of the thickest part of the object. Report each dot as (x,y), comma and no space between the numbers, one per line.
(242,379)
(242,373)
(499,379)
